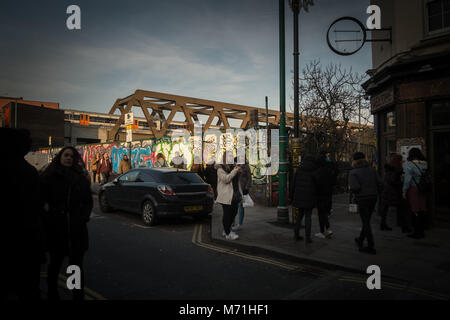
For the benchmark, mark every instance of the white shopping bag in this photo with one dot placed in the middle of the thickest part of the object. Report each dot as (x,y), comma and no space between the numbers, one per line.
(247,201)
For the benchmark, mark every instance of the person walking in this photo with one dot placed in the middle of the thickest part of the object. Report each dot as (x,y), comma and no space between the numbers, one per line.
(211,176)
(94,167)
(415,166)
(68,202)
(364,183)
(325,178)
(22,232)
(124,165)
(229,194)
(105,168)
(304,195)
(391,195)
(245,181)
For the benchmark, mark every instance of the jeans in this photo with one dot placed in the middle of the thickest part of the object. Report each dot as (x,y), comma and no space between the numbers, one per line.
(229,213)
(241,213)
(307,213)
(366,208)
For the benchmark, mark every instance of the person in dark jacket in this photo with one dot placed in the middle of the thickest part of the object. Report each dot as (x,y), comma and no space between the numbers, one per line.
(68,202)
(364,184)
(417,201)
(326,179)
(105,168)
(211,176)
(23,251)
(392,192)
(124,165)
(304,195)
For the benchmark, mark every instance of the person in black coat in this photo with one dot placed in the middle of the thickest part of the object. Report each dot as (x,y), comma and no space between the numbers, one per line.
(68,200)
(304,195)
(364,183)
(326,178)
(211,176)
(23,233)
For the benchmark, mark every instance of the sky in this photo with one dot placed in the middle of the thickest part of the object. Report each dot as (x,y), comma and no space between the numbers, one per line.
(209,49)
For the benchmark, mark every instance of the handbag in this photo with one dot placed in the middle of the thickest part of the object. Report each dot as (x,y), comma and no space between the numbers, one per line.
(353,207)
(247,201)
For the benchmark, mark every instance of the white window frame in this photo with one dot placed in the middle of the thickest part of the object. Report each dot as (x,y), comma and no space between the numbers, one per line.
(433,33)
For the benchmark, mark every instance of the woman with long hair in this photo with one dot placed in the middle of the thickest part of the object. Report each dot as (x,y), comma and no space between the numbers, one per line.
(414,168)
(68,202)
(229,194)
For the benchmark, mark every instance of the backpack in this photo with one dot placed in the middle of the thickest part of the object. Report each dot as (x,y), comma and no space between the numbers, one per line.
(425,183)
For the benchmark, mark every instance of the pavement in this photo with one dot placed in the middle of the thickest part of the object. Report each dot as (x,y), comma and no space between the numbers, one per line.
(423,263)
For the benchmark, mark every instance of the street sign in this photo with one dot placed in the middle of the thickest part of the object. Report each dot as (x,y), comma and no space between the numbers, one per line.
(129,135)
(129,126)
(129,118)
(49,140)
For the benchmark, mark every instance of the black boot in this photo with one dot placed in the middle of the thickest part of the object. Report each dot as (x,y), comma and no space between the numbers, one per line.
(384,226)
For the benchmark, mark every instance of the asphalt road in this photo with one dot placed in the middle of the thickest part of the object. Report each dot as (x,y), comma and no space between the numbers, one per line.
(176,261)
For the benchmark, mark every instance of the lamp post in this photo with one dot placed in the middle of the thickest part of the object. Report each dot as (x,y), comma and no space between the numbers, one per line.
(282,209)
(296,6)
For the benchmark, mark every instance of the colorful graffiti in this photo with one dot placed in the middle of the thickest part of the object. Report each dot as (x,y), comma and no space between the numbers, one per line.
(143,153)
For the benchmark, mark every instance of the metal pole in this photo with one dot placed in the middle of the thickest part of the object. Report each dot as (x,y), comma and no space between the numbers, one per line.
(15,115)
(283,210)
(268,144)
(359,124)
(296,11)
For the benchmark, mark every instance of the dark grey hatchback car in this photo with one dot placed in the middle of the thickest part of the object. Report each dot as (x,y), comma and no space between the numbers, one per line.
(157,192)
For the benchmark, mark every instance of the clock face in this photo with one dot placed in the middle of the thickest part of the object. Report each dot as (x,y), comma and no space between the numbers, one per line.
(346,36)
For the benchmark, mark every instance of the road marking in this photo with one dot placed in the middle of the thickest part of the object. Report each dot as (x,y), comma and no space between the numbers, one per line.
(197,240)
(405,287)
(89,294)
(87,291)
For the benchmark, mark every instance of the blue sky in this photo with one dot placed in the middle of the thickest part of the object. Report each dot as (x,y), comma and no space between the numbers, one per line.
(210,49)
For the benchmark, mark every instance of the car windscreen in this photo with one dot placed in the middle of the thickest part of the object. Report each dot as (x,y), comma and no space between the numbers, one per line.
(180,178)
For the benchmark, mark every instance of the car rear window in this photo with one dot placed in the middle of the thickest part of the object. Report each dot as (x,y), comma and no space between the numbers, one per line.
(180,178)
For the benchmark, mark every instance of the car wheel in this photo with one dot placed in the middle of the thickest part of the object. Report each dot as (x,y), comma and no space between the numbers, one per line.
(149,216)
(104,205)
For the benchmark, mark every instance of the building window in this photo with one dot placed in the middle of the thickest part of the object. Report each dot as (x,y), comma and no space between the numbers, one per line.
(440,114)
(438,14)
(389,121)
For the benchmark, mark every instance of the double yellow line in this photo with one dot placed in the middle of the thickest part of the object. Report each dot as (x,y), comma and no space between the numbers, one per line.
(404,287)
(89,294)
(197,240)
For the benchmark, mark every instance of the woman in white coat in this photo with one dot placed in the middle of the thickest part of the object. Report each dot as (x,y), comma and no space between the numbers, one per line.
(229,194)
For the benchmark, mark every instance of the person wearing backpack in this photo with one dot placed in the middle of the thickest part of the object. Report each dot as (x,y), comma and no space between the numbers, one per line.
(414,192)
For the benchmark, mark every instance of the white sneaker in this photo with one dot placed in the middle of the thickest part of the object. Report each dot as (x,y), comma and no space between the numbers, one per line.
(320,235)
(232,236)
(236,227)
(224,234)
